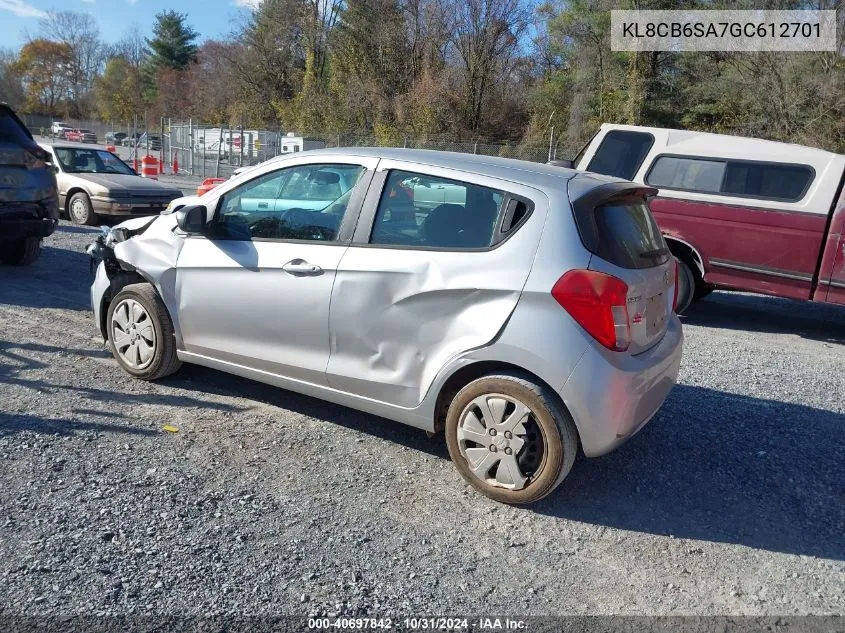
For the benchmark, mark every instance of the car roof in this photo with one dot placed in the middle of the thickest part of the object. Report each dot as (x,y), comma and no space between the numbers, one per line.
(708,144)
(522,171)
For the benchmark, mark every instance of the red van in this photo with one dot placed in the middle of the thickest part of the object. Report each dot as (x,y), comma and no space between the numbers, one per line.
(738,213)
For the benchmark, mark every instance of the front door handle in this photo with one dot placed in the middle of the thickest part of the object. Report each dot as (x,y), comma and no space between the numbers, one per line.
(298,267)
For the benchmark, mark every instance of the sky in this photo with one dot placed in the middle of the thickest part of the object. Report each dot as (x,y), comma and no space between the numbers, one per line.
(211,18)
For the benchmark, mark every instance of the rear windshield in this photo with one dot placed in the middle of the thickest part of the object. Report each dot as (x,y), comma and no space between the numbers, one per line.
(624,233)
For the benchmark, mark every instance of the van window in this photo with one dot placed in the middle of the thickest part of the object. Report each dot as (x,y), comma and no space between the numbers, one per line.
(429,211)
(766,181)
(693,174)
(775,182)
(621,153)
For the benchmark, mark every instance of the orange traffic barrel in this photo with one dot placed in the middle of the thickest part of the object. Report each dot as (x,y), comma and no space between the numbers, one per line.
(208,184)
(149,167)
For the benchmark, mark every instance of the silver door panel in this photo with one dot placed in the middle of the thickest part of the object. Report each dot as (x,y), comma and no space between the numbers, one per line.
(237,303)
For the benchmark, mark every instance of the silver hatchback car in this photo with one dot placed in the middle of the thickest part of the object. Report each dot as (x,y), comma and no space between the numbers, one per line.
(523,309)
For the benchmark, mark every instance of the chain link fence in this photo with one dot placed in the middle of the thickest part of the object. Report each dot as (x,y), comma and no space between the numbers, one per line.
(186,147)
(206,151)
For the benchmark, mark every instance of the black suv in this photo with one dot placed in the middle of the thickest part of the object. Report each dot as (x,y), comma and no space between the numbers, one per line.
(29,201)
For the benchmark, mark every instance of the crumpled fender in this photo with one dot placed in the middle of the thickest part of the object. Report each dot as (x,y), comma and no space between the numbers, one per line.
(153,255)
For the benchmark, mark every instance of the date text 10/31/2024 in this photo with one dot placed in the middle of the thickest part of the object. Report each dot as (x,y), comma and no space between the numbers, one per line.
(417,624)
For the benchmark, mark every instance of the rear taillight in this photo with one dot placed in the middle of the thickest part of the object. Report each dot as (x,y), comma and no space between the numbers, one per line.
(599,303)
(35,158)
(675,296)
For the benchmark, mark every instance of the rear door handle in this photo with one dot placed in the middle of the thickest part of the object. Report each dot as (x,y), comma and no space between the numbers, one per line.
(299,267)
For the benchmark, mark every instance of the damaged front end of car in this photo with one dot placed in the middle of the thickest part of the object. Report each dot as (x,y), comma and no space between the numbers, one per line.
(140,250)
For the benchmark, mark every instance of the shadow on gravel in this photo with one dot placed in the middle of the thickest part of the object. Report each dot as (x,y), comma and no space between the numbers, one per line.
(59,278)
(31,363)
(64,227)
(720,467)
(15,423)
(205,380)
(773,315)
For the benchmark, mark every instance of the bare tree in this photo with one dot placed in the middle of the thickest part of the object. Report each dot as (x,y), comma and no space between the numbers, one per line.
(80,32)
(486,34)
(131,47)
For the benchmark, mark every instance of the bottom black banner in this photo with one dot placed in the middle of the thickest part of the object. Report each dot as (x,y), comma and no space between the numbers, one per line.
(296,624)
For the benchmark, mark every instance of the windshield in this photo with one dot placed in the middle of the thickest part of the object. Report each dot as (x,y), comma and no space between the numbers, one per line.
(90,161)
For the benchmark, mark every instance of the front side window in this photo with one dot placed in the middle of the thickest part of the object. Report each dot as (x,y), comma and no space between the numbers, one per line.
(298,203)
(621,153)
(433,212)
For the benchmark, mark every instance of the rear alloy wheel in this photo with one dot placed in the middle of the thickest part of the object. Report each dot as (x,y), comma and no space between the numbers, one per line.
(510,438)
(80,210)
(141,333)
(21,252)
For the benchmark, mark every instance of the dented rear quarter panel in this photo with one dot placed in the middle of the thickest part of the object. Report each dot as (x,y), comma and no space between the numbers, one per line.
(402,320)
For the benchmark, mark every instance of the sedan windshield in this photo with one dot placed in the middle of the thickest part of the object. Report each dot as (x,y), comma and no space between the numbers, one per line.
(90,161)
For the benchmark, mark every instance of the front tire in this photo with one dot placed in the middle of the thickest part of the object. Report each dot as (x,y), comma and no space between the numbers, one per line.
(510,438)
(20,252)
(80,210)
(141,336)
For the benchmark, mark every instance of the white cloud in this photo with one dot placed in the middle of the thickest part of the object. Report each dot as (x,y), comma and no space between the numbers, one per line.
(247,4)
(22,9)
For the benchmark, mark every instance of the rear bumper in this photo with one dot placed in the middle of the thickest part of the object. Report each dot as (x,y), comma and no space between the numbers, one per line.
(611,396)
(28,219)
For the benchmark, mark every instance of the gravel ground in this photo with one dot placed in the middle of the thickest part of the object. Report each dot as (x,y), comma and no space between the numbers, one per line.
(265,502)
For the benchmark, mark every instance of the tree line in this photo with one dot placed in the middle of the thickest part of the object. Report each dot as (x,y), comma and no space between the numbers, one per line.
(500,70)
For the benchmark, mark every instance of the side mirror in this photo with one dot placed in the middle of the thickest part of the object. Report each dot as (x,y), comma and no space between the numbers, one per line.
(192,219)
(568,164)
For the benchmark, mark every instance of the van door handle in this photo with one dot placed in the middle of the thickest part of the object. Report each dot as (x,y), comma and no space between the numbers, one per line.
(299,267)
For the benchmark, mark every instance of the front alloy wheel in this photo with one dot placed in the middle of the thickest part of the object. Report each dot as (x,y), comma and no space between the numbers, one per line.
(140,332)
(133,334)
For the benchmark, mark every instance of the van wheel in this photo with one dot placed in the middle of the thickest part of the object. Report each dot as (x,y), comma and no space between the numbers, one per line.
(80,210)
(510,438)
(141,334)
(686,286)
(20,252)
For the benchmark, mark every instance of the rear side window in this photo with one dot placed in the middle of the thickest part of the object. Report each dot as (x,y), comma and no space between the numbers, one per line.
(621,153)
(433,212)
(766,181)
(623,232)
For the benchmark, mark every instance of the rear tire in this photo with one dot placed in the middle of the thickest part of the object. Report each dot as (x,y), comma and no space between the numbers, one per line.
(510,438)
(141,335)
(20,252)
(80,210)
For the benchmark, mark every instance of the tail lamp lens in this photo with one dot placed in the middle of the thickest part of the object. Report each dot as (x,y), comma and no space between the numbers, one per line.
(599,303)
(675,295)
